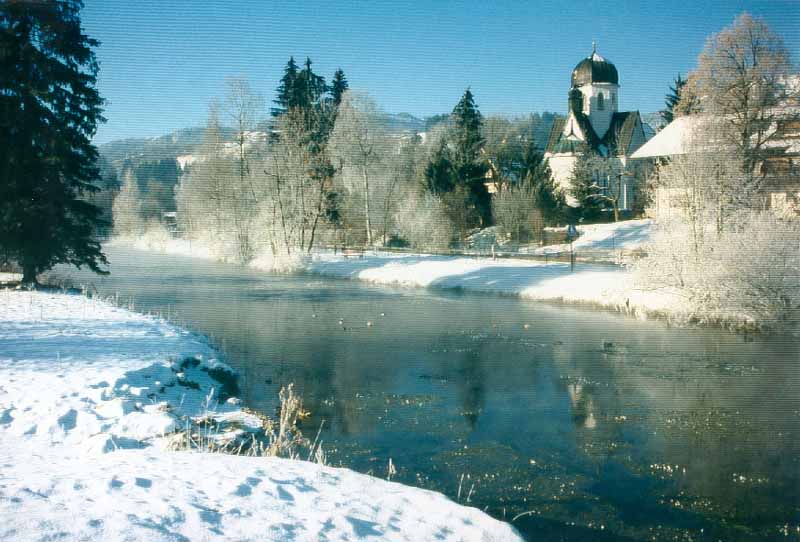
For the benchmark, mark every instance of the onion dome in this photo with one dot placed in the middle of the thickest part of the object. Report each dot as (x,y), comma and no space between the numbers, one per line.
(594,69)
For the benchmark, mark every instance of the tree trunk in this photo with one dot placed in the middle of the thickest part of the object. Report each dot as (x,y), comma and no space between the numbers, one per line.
(366,205)
(29,276)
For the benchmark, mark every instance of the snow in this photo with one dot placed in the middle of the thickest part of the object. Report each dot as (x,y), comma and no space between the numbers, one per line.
(88,395)
(10,277)
(162,242)
(675,138)
(626,236)
(605,286)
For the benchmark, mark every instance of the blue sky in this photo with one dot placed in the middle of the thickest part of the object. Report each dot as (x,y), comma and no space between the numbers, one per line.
(162,62)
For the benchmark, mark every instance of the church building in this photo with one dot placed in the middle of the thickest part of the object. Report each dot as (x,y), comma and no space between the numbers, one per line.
(594,124)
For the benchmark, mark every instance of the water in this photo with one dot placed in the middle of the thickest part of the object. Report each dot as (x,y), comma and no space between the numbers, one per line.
(589,424)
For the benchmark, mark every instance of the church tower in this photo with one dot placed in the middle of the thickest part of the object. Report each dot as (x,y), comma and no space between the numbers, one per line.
(594,124)
(598,82)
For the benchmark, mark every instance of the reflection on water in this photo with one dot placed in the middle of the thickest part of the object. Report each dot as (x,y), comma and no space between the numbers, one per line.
(588,424)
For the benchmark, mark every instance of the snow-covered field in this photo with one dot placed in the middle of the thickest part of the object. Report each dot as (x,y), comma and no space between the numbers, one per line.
(88,396)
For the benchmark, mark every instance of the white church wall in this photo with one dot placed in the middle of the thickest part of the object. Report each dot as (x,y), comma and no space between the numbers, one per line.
(561,165)
(600,118)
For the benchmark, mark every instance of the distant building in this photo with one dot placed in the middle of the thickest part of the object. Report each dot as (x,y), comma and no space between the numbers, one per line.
(594,122)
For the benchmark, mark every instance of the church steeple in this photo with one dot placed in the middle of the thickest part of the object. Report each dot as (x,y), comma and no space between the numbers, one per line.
(598,82)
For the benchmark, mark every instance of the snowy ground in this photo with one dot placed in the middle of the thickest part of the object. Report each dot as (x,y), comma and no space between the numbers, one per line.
(599,285)
(625,236)
(88,396)
(597,242)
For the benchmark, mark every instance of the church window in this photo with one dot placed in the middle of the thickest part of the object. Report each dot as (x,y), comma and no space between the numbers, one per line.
(600,102)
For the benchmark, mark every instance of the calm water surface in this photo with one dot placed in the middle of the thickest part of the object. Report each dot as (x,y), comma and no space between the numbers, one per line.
(592,425)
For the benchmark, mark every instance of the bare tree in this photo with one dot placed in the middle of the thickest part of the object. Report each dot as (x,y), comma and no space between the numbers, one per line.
(297,179)
(358,142)
(742,81)
(515,211)
(127,208)
(423,221)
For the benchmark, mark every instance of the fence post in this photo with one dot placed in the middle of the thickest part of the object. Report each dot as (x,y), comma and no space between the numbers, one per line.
(571,258)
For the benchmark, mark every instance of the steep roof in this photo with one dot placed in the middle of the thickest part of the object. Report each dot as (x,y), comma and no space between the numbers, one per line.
(617,139)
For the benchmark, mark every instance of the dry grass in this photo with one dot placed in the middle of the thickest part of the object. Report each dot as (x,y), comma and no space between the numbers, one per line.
(281,438)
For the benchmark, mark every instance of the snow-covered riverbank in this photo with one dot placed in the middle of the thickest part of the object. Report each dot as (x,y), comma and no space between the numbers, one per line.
(89,394)
(606,286)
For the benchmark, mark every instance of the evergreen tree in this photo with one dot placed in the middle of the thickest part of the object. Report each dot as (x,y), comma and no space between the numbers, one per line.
(310,87)
(469,167)
(438,174)
(537,174)
(672,99)
(338,87)
(49,113)
(287,94)
(585,188)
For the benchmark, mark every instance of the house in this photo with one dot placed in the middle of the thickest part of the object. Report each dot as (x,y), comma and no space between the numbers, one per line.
(780,185)
(595,124)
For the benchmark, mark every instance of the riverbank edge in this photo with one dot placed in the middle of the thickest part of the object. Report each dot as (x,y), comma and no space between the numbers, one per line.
(48,310)
(605,287)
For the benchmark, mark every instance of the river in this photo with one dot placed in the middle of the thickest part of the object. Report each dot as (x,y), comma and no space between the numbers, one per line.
(586,424)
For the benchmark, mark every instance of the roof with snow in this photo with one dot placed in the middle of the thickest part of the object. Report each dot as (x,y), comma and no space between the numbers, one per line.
(676,138)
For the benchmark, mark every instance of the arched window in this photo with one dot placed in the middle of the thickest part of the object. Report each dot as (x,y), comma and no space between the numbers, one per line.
(601,102)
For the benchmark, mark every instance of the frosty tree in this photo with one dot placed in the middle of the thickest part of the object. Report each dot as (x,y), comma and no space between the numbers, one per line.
(50,111)
(127,207)
(359,144)
(742,81)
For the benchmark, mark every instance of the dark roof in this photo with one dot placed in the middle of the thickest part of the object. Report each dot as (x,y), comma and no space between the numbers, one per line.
(594,69)
(617,139)
(555,133)
(620,133)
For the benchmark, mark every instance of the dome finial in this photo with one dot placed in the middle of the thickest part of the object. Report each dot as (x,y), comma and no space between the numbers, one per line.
(594,47)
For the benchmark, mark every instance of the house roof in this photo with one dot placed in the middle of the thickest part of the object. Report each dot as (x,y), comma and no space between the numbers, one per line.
(692,133)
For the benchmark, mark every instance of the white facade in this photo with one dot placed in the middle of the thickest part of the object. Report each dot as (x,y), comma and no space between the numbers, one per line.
(600,102)
(594,119)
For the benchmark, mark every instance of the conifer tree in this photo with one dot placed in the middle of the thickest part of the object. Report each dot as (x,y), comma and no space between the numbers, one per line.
(672,99)
(549,198)
(338,87)
(438,173)
(310,87)
(585,188)
(469,167)
(286,94)
(50,109)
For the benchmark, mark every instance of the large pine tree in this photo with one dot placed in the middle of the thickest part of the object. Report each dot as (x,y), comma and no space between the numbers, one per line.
(49,110)
(469,166)
(286,94)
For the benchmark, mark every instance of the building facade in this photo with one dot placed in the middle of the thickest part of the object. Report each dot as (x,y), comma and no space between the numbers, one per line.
(595,125)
